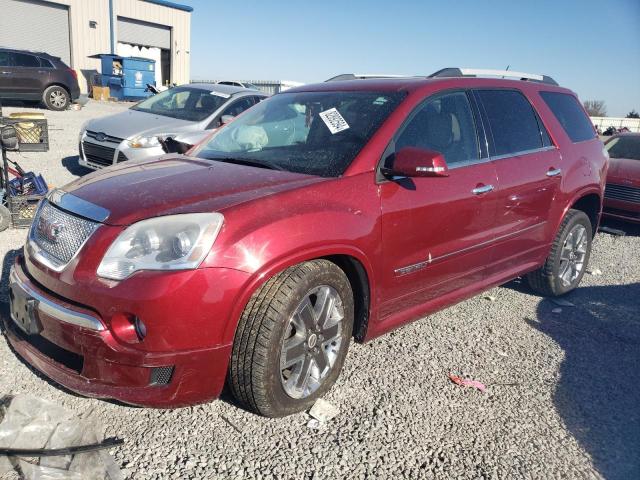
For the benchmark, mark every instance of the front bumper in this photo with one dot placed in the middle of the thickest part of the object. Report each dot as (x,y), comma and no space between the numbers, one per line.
(76,347)
(621,210)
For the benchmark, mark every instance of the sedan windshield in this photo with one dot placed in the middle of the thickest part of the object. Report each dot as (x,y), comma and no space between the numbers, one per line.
(183,103)
(624,147)
(316,133)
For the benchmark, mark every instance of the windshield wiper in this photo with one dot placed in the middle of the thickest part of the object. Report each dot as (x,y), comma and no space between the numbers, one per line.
(247,161)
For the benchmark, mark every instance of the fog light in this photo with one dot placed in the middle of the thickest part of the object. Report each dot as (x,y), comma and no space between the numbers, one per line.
(128,327)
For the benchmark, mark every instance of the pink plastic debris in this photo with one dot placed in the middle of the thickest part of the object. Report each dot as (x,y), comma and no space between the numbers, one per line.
(467,383)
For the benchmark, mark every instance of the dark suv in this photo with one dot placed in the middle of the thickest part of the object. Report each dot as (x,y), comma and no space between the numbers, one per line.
(330,211)
(38,77)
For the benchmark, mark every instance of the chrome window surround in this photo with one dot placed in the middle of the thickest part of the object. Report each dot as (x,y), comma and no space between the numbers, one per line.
(54,310)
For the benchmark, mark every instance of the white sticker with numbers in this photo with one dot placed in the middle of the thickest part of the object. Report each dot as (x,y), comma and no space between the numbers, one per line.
(333,120)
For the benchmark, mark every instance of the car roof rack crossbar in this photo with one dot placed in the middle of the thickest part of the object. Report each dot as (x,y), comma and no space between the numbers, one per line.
(361,76)
(479,72)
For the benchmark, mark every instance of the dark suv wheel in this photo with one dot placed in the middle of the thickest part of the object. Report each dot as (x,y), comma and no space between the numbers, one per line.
(56,98)
(570,251)
(292,339)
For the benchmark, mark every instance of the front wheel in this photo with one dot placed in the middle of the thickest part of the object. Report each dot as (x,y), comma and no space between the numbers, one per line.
(570,251)
(292,339)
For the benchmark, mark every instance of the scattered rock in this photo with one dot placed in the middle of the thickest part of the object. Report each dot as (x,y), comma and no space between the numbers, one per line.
(594,271)
(490,298)
(323,410)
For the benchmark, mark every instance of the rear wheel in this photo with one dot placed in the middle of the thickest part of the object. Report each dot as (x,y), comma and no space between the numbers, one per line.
(570,251)
(56,98)
(292,339)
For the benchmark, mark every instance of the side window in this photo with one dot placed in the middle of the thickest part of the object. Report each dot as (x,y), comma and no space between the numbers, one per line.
(570,114)
(512,121)
(239,106)
(24,60)
(6,59)
(44,63)
(444,124)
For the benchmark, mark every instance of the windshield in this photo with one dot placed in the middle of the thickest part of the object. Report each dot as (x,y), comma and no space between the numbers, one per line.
(183,103)
(625,147)
(316,133)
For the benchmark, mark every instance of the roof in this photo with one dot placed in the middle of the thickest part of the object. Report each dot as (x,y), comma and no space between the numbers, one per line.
(177,6)
(226,89)
(410,84)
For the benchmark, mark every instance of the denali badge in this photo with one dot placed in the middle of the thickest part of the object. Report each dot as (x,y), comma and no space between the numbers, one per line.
(49,230)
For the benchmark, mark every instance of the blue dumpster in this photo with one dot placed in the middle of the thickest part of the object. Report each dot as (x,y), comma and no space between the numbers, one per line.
(127,77)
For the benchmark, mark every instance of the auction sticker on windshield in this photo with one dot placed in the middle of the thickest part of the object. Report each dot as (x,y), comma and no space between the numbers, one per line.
(333,120)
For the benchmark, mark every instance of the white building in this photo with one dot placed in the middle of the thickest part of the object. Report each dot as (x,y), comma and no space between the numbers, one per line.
(74,30)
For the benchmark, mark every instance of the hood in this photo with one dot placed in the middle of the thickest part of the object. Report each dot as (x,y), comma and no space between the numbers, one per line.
(171,184)
(624,171)
(131,123)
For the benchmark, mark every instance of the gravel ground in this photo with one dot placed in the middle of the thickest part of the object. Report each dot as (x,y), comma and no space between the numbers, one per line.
(562,398)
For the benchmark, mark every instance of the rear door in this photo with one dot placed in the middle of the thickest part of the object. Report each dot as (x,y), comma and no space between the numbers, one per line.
(529,170)
(29,78)
(436,231)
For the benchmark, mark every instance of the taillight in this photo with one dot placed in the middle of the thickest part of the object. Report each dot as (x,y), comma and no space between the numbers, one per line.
(73,72)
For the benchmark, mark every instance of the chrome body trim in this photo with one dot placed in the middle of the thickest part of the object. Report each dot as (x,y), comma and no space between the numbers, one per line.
(54,310)
(83,208)
(420,265)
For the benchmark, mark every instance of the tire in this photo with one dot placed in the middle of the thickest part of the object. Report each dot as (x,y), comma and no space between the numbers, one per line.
(552,278)
(274,318)
(56,98)
(5,218)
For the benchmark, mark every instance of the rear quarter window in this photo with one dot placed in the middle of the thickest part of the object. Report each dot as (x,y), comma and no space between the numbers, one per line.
(570,114)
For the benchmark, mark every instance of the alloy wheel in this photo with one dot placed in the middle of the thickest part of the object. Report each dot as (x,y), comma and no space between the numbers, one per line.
(574,251)
(311,342)
(58,99)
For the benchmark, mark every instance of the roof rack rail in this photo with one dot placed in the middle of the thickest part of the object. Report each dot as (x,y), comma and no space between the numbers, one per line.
(361,76)
(479,72)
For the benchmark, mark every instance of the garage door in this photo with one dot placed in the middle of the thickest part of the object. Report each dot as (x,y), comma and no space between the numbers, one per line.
(37,26)
(144,34)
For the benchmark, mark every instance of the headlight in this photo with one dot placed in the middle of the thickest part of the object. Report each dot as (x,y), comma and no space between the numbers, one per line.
(145,142)
(174,242)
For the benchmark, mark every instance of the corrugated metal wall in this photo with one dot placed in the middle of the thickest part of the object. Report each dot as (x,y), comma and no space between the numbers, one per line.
(86,41)
(48,27)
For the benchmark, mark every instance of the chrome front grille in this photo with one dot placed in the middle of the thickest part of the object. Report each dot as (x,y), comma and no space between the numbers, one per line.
(58,235)
(622,192)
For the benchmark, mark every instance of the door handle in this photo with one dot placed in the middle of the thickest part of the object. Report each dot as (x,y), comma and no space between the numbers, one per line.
(482,189)
(554,172)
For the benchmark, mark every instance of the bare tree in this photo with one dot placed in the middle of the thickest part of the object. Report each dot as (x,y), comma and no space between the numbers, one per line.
(595,108)
(633,114)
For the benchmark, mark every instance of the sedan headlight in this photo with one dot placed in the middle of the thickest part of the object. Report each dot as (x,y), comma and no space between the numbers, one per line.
(174,242)
(146,142)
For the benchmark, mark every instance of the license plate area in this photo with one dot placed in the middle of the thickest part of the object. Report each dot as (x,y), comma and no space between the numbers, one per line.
(24,311)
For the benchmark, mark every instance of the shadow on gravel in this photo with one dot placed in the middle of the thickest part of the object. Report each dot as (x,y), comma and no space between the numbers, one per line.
(598,393)
(71,164)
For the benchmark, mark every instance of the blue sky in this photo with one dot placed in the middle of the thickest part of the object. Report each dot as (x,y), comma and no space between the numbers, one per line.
(592,47)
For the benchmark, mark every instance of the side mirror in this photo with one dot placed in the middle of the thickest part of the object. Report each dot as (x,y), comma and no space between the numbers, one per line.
(417,162)
(224,119)
(9,138)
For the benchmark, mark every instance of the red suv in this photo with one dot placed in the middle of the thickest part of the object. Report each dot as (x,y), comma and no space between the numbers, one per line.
(331,211)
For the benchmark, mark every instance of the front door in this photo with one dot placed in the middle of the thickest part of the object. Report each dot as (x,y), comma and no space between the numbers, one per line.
(436,231)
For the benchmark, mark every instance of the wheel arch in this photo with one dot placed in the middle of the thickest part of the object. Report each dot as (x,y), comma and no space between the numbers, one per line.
(349,259)
(591,204)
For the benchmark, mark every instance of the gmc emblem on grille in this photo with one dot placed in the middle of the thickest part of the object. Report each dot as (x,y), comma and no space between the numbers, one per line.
(101,137)
(49,230)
